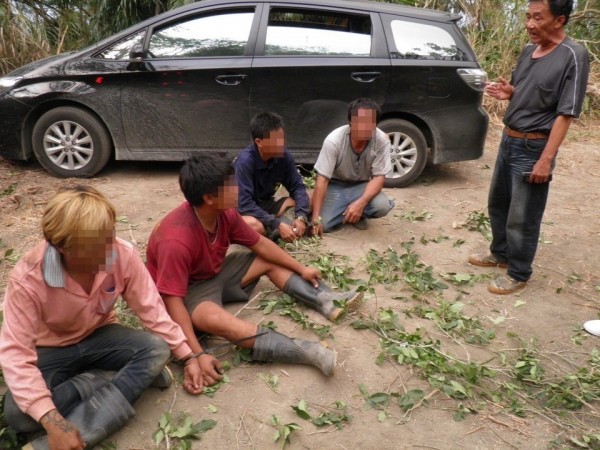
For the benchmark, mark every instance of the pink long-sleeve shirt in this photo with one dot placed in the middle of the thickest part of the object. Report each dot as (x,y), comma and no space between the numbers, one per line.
(43,306)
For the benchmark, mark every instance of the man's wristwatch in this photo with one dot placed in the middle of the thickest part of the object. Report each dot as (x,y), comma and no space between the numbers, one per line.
(302,219)
(317,221)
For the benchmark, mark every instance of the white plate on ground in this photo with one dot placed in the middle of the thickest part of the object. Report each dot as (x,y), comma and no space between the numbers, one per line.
(592,327)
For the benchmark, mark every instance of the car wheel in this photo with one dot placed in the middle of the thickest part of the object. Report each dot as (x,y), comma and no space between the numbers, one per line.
(408,152)
(71,142)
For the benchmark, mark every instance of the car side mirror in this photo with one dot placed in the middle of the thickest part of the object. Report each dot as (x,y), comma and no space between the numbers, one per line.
(136,58)
(136,54)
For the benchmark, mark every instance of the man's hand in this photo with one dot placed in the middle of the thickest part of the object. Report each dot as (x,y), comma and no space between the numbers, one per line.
(287,232)
(541,171)
(502,89)
(211,369)
(300,228)
(354,212)
(62,434)
(192,377)
(317,229)
(311,275)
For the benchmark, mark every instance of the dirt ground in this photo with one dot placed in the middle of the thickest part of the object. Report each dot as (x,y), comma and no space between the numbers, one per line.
(563,292)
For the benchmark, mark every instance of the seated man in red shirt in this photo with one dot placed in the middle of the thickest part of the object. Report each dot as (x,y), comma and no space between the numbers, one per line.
(186,256)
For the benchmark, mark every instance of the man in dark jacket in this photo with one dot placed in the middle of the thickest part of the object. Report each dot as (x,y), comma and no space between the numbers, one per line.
(260,169)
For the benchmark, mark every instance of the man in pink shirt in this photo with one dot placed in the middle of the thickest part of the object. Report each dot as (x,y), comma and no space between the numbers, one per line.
(61,338)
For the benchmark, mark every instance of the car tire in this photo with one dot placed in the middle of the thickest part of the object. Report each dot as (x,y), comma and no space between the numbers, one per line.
(71,142)
(408,152)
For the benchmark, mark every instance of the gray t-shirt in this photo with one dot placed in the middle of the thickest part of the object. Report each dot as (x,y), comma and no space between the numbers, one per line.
(547,87)
(338,161)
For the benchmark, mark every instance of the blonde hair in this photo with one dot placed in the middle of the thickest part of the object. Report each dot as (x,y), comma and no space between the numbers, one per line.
(74,209)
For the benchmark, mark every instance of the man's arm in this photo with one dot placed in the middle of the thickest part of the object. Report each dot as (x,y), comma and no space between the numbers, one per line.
(295,186)
(209,365)
(355,210)
(246,204)
(543,167)
(271,252)
(317,202)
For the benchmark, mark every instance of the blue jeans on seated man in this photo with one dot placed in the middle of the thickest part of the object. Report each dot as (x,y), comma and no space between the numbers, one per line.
(516,207)
(340,195)
(137,356)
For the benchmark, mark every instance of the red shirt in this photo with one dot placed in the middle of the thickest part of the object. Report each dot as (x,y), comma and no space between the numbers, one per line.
(180,251)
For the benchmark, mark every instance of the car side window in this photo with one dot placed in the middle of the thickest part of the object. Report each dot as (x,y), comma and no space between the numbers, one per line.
(302,32)
(220,34)
(120,50)
(415,40)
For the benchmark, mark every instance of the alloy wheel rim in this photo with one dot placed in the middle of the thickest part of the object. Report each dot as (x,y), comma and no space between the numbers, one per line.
(403,154)
(68,145)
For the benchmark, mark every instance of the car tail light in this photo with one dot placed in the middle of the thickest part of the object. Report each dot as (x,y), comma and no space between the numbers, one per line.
(475,78)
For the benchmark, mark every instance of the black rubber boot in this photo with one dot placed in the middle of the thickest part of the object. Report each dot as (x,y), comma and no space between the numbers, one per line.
(101,415)
(87,383)
(322,299)
(274,346)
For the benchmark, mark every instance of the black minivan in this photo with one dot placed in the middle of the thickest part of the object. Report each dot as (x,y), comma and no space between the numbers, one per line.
(190,80)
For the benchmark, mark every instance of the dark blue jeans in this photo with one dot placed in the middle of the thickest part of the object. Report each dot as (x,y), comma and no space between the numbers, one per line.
(516,207)
(340,195)
(137,356)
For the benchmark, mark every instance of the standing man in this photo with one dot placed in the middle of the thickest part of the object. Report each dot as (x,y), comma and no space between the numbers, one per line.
(260,168)
(546,92)
(61,337)
(351,169)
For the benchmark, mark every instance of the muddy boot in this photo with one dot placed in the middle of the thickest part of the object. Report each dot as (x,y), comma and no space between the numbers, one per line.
(322,299)
(274,346)
(101,415)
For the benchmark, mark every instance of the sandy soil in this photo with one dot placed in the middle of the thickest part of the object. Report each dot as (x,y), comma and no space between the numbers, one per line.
(564,292)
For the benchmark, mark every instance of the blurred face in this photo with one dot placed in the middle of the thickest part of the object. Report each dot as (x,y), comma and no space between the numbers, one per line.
(541,25)
(228,195)
(272,145)
(363,124)
(90,250)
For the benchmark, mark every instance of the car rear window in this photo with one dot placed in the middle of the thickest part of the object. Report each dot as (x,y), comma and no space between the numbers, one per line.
(221,34)
(313,33)
(416,40)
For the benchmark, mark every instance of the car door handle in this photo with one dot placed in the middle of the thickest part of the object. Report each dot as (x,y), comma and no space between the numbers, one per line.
(230,80)
(365,77)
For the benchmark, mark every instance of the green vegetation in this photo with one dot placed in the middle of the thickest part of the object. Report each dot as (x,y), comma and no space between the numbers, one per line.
(179,434)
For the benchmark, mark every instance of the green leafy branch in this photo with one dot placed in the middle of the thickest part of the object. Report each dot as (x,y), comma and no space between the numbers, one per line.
(335,415)
(287,306)
(179,434)
(283,431)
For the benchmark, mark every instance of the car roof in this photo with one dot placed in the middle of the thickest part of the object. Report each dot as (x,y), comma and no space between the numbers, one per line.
(363,5)
(358,5)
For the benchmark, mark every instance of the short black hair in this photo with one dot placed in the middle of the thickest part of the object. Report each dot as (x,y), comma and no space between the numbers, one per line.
(559,8)
(263,123)
(363,103)
(204,174)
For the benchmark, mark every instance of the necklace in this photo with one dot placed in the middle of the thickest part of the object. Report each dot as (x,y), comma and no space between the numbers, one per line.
(208,235)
